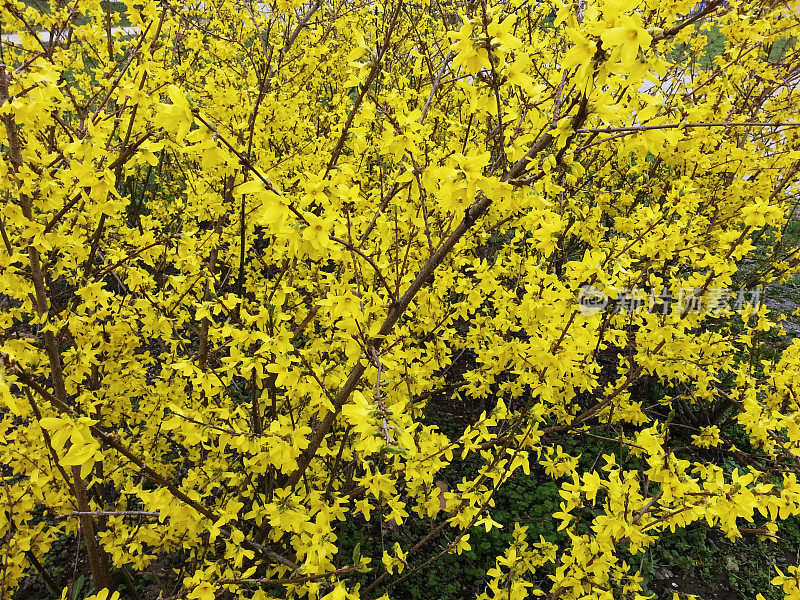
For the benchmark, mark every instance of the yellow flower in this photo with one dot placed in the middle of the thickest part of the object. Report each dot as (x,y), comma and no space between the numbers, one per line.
(708,438)
(473,164)
(471,57)
(628,38)
(501,32)
(581,53)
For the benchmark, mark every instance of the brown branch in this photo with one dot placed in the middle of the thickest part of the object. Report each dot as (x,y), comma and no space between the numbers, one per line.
(624,131)
(290,580)
(711,7)
(634,128)
(372,264)
(98,561)
(246,162)
(373,73)
(109,513)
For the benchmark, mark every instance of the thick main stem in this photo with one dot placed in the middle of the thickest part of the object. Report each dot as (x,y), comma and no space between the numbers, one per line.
(101,578)
(97,562)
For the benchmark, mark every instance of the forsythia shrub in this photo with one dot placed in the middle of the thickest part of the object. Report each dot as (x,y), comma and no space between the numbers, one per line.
(246,244)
